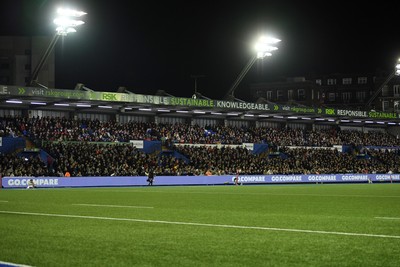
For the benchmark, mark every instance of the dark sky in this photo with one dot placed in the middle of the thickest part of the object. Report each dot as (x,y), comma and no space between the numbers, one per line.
(152,45)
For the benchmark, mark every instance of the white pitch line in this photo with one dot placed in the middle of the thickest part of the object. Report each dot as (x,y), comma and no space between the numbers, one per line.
(113,206)
(3,200)
(200,224)
(388,218)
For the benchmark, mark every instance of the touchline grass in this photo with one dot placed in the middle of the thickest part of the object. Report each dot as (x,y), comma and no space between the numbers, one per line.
(268,225)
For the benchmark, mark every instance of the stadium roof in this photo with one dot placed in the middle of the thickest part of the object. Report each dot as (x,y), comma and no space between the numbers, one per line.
(125,102)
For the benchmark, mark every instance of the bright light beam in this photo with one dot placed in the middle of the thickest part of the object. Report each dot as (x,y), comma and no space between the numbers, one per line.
(66,20)
(264,46)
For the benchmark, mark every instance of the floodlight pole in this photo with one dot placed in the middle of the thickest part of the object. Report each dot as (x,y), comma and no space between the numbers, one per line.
(243,73)
(66,23)
(33,81)
(195,77)
(395,72)
(263,48)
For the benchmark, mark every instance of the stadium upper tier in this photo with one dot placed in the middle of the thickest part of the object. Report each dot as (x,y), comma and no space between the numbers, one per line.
(63,129)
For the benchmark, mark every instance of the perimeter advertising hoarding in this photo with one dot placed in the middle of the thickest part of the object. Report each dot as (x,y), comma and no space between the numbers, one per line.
(186,102)
(66,94)
(52,182)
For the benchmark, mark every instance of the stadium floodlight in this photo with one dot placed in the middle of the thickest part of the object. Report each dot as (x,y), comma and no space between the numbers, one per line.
(398,67)
(66,22)
(263,48)
(70,12)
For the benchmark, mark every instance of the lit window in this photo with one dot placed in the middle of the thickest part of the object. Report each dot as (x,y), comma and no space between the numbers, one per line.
(269,95)
(346,96)
(331,81)
(360,95)
(279,94)
(362,80)
(290,94)
(347,80)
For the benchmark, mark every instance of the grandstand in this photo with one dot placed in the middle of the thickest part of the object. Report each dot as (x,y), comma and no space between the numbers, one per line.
(48,132)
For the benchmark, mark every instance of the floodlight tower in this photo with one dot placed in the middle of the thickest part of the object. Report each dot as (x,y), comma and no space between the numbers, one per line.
(66,22)
(263,48)
(395,72)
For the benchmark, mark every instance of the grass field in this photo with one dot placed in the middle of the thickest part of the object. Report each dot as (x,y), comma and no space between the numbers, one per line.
(268,225)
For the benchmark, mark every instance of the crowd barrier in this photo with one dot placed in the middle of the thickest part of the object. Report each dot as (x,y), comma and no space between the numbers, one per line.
(112,181)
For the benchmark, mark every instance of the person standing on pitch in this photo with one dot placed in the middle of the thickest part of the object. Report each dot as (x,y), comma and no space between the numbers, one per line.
(150,177)
(236,180)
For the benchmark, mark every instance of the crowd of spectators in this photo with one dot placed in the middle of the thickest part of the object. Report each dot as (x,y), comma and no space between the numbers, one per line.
(86,159)
(9,127)
(68,143)
(13,165)
(63,129)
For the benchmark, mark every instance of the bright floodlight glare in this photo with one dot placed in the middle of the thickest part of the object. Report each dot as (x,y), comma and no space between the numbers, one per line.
(269,40)
(70,12)
(398,68)
(263,54)
(264,46)
(71,30)
(66,20)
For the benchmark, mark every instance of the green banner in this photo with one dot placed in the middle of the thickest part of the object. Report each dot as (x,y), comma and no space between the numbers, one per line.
(186,102)
(66,94)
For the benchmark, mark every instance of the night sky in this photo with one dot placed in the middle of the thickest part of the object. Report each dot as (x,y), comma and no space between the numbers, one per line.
(148,46)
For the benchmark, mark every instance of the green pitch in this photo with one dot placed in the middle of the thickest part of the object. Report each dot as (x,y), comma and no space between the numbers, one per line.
(269,225)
